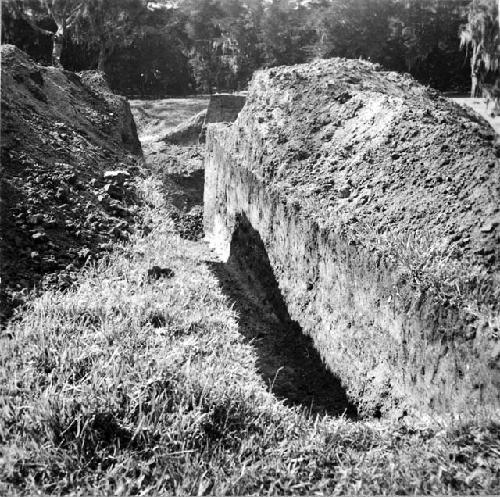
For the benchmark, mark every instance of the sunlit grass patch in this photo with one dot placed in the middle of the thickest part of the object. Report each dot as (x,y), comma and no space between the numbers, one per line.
(155,118)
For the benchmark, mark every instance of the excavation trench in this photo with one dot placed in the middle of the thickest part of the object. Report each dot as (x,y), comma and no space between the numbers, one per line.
(289,364)
(287,360)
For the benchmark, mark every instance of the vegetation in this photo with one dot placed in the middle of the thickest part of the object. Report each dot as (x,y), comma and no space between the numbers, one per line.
(127,384)
(212,45)
(481,34)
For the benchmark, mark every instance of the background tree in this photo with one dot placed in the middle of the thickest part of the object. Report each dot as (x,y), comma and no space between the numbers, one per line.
(240,39)
(27,24)
(284,34)
(203,30)
(481,36)
(64,13)
(154,61)
(164,46)
(105,25)
(429,41)
(359,28)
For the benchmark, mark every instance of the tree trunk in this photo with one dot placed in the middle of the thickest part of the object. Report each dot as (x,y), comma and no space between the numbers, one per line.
(57,47)
(103,58)
(473,89)
(475,63)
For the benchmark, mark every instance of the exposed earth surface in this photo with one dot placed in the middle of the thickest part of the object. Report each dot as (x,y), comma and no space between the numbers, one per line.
(69,154)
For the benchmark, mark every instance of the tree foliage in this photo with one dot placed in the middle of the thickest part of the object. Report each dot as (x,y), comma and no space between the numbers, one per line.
(481,35)
(215,45)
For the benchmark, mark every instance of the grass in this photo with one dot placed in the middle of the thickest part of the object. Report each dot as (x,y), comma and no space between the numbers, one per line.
(155,118)
(127,384)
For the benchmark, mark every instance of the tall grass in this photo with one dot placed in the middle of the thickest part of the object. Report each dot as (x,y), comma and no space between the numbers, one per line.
(127,384)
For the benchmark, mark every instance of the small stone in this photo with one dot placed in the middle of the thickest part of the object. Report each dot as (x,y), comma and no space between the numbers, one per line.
(35,219)
(113,191)
(39,236)
(344,192)
(489,226)
(486,134)
(51,223)
(118,176)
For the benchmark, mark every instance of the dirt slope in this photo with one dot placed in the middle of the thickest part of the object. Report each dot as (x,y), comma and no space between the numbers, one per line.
(60,133)
(353,144)
(378,202)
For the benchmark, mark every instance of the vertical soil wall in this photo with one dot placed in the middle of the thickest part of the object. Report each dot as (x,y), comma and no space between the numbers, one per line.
(224,107)
(378,203)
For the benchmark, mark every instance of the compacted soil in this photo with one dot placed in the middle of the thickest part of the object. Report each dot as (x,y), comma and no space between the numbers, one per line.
(378,202)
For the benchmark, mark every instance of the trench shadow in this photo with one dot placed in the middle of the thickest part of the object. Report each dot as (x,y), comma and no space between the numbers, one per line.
(186,188)
(287,361)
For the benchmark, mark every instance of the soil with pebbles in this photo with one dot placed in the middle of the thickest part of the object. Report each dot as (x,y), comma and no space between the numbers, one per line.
(60,133)
(350,143)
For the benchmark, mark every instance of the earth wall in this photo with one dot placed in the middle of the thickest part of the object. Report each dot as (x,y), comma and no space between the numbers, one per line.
(224,107)
(378,202)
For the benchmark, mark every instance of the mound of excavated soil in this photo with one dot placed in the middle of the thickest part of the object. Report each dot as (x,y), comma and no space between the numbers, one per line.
(348,143)
(188,132)
(60,134)
(379,204)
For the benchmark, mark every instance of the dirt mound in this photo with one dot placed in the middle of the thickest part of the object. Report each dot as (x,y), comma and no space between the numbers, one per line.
(379,204)
(221,108)
(350,143)
(123,127)
(188,132)
(60,133)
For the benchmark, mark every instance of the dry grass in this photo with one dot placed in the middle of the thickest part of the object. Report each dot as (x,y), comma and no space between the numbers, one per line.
(129,385)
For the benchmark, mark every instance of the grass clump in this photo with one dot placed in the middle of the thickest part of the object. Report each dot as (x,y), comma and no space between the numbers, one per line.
(130,385)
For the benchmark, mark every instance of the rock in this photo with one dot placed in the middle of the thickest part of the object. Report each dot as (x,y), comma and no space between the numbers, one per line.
(39,236)
(489,226)
(156,272)
(117,176)
(344,192)
(114,191)
(35,219)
